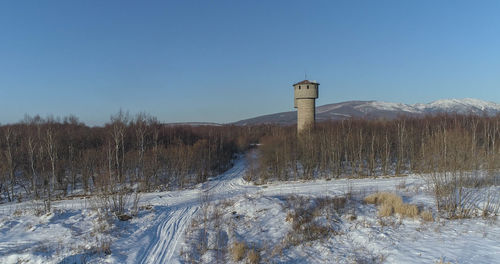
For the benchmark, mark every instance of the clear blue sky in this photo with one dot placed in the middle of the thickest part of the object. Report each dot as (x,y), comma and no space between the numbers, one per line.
(223,61)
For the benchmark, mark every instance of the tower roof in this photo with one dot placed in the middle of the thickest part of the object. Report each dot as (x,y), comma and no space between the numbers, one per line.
(306,82)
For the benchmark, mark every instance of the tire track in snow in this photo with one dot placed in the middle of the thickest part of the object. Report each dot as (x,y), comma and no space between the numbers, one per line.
(170,230)
(168,233)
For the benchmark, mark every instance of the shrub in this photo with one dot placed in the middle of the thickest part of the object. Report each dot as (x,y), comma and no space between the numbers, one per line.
(456,192)
(336,203)
(238,250)
(304,214)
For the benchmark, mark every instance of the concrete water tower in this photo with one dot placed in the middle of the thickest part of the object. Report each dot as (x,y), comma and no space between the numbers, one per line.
(305,94)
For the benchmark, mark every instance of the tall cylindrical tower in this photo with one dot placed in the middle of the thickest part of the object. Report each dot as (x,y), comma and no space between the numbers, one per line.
(305,94)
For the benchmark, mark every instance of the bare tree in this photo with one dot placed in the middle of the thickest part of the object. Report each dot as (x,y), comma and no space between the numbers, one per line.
(118,129)
(141,128)
(51,148)
(10,138)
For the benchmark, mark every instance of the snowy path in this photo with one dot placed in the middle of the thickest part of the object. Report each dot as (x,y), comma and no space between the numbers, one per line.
(162,247)
(159,244)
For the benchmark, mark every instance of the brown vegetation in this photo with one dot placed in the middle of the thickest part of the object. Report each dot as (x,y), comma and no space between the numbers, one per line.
(238,251)
(360,148)
(427,216)
(253,256)
(390,203)
(304,214)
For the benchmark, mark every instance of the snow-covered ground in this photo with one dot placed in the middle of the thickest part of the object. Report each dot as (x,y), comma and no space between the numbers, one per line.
(167,228)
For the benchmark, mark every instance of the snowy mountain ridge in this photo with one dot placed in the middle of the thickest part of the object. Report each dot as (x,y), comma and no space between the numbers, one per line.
(381,109)
(459,105)
(463,106)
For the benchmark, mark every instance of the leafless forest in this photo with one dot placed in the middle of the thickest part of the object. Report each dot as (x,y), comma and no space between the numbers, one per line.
(361,148)
(48,158)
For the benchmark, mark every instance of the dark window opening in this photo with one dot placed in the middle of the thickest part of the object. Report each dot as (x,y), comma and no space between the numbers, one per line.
(308,87)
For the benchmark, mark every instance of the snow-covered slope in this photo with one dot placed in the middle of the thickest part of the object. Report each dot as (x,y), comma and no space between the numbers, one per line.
(74,233)
(380,109)
(462,106)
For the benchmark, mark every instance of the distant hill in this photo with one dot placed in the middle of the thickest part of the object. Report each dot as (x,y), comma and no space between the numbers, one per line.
(378,109)
(193,124)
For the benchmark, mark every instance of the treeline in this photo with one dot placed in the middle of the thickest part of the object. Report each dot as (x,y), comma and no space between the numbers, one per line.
(43,158)
(360,148)
(48,157)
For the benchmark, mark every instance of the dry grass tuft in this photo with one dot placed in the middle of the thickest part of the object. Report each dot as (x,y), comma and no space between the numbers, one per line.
(372,198)
(391,203)
(385,210)
(383,198)
(238,250)
(407,210)
(253,256)
(289,217)
(427,216)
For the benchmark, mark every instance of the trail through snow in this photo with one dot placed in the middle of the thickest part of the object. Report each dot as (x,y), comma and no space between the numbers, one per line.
(162,247)
(159,244)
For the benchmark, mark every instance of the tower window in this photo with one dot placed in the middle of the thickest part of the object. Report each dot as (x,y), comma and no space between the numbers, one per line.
(308,87)
(299,87)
